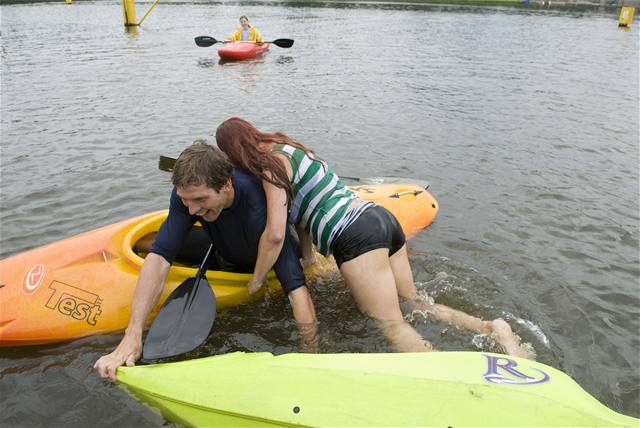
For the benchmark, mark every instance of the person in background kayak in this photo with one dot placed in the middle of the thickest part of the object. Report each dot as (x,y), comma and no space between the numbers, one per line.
(246,32)
(231,206)
(365,239)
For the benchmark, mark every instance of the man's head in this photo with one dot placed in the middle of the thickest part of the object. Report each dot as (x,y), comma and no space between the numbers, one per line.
(202,163)
(244,21)
(202,176)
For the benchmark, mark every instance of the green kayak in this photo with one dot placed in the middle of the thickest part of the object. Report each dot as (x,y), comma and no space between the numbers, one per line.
(446,389)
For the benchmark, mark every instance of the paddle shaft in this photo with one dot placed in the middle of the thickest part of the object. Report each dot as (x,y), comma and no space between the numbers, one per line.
(166,164)
(206,41)
(203,267)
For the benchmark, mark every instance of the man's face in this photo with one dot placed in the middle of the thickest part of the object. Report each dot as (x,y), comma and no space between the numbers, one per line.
(205,202)
(244,22)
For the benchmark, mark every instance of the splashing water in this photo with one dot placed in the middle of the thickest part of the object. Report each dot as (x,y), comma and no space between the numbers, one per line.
(533,328)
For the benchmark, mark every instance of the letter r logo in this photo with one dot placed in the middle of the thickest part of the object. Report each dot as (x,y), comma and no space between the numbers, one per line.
(501,369)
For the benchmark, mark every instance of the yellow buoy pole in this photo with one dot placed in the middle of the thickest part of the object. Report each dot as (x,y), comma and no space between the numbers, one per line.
(129,13)
(626,16)
(149,11)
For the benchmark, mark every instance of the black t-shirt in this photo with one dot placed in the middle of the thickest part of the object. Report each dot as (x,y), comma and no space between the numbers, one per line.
(235,234)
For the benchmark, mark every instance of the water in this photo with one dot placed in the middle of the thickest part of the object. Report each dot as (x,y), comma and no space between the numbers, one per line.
(525,122)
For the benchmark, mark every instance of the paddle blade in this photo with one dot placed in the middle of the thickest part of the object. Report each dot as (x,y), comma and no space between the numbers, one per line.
(205,41)
(283,43)
(183,323)
(166,163)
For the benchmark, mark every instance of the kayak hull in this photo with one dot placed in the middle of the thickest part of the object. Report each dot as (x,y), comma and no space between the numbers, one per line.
(84,285)
(238,51)
(404,389)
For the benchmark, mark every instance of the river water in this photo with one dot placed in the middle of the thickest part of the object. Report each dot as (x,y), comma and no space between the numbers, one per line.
(525,122)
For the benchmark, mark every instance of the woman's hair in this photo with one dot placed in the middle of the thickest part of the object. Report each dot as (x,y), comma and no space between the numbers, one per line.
(241,142)
(201,163)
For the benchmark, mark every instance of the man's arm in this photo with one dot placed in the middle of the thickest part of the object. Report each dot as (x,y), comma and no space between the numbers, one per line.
(148,289)
(305,316)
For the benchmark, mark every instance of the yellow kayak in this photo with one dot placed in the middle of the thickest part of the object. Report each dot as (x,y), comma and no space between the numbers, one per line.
(84,285)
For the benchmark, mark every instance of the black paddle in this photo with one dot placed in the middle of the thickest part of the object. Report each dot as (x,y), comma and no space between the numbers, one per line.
(206,41)
(185,319)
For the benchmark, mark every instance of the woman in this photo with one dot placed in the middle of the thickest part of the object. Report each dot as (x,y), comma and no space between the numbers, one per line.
(365,239)
(246,32)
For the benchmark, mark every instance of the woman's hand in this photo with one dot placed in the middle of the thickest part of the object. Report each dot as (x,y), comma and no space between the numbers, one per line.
(255,284)
(309,261)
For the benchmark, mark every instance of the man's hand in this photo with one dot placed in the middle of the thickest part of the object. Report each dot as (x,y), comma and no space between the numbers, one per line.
(127,352)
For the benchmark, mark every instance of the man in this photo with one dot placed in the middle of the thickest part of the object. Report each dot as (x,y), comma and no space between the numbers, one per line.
(230,205)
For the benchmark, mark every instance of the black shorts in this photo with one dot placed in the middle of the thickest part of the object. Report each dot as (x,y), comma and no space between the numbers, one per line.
(375,228)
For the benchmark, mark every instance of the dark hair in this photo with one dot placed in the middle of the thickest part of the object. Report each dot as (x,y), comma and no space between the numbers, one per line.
(243,16)
(241,142)
(202,163)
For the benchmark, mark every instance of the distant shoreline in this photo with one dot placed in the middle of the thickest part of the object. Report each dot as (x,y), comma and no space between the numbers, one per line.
(535,4)
(568,5)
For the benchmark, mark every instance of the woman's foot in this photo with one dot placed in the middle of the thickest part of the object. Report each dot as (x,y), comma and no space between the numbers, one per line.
(498,329)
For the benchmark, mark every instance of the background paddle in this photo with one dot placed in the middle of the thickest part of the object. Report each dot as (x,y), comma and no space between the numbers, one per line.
(206,41)
(185,319)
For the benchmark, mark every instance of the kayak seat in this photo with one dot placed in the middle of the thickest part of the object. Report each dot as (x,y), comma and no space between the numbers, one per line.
(192,252)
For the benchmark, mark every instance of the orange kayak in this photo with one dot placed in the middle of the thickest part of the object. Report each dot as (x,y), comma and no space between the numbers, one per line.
(242,50)
(84,285)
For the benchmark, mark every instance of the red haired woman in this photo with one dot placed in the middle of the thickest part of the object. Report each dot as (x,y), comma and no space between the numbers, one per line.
(365,239)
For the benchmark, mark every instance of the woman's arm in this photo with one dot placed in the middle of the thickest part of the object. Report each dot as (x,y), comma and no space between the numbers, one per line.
(306,250)
(272,237)
(237,35)
(257,37)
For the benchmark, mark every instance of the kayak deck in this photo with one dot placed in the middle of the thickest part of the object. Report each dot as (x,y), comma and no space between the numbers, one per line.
(405,389)
(242,50)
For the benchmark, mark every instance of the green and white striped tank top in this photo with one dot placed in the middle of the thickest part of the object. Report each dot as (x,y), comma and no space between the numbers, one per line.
(320,200)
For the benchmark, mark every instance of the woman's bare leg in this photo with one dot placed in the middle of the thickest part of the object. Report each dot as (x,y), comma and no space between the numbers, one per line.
(498,328)
(372,284)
